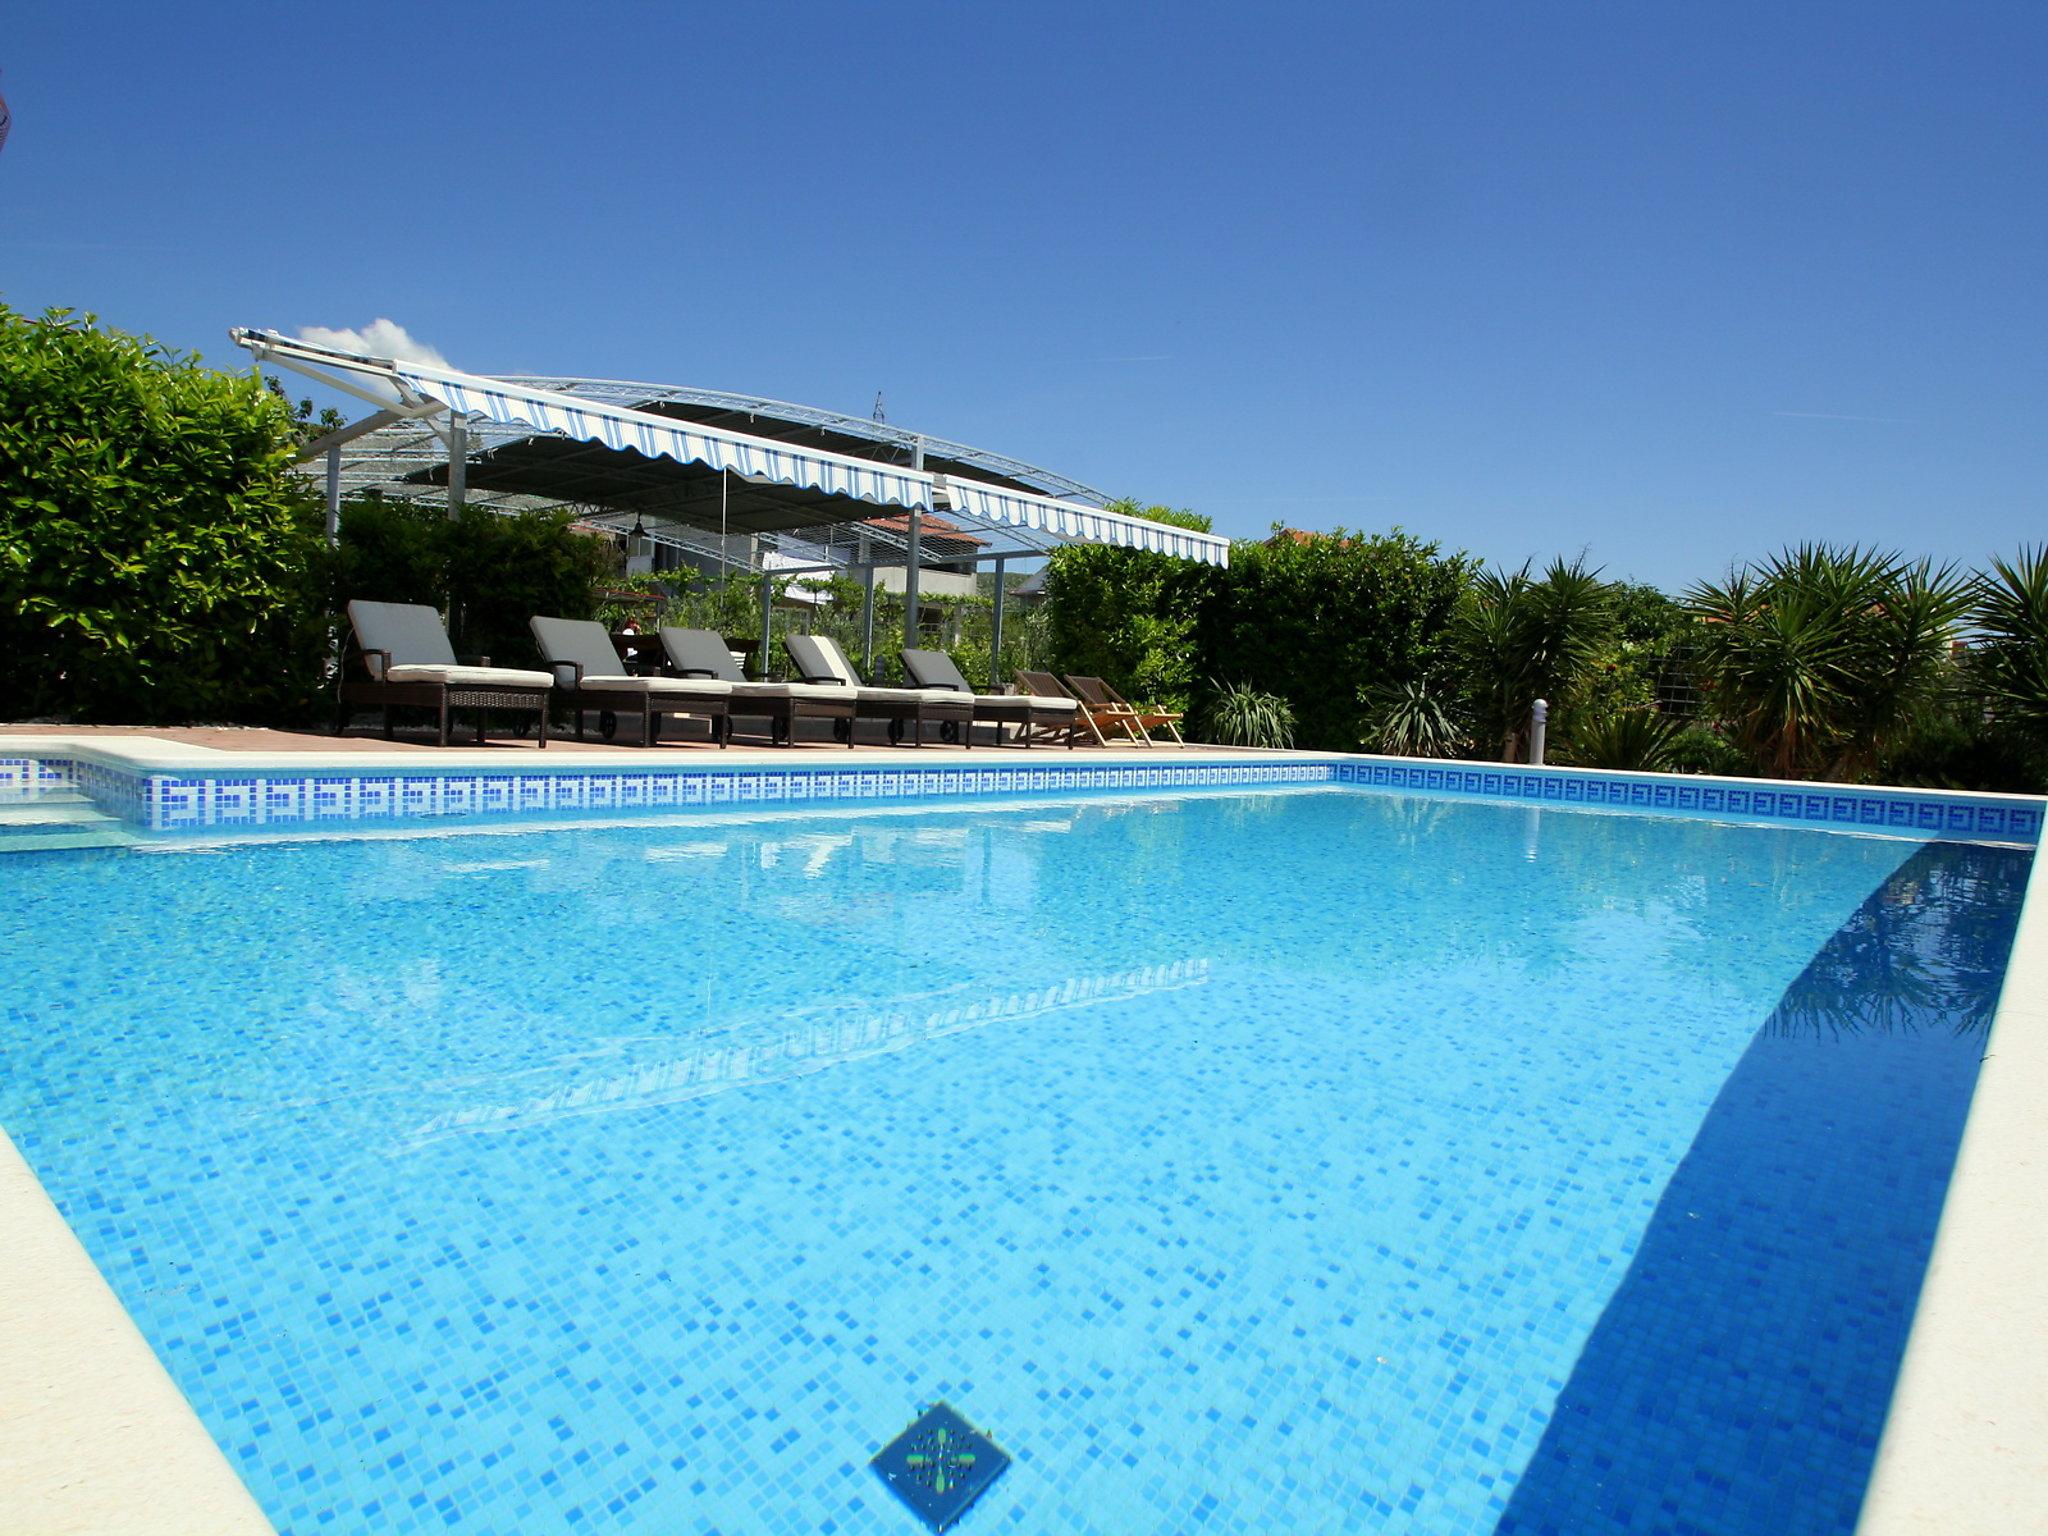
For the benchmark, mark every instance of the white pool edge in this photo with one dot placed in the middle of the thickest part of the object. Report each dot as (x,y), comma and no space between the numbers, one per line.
(1965,1449)
(95,1437)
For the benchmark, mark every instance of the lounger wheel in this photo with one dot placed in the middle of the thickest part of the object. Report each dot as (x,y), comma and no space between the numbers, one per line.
(841,729)
(895,733)
(949,730)
(607,724)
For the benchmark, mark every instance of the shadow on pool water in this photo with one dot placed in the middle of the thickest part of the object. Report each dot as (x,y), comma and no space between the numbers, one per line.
(1737,1382)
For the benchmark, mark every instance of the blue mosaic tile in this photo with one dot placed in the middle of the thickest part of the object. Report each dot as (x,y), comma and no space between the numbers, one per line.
(1230,1205)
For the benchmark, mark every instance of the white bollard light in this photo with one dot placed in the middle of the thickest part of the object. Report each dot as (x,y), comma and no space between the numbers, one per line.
(1539,721)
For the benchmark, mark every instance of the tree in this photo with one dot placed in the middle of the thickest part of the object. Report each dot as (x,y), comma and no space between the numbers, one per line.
(2009,609)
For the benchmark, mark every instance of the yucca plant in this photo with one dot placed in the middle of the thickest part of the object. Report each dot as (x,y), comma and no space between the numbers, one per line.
(1519,639)
(1819,658)
(1639,740)
(1239,715)
(1411,719)
(2010,611)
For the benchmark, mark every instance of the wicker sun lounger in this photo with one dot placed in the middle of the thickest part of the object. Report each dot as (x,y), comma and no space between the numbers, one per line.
(1139,720)
(589,675)
(1036,716)
(818,659)
(404,661)
(701,653)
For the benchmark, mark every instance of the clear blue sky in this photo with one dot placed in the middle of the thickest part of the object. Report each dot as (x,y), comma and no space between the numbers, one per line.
(1671,284)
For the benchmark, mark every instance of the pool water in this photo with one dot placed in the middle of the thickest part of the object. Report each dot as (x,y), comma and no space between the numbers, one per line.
(1309,1161)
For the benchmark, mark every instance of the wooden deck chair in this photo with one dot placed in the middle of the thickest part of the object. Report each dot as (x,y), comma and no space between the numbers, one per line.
(1045,686)
(1143,720)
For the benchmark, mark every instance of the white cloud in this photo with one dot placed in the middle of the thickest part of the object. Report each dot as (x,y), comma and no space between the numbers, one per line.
(380,338)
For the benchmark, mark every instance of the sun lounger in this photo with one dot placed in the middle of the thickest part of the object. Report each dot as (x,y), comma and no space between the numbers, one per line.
(818,659)
(589,674)
(1033,715)
(1139,720)
(406,662)
(700,653)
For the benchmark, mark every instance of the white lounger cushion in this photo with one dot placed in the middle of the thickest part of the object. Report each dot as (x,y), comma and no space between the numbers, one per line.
(913,696)
(471,677)
(680,687)
(793,691)
(1017,703)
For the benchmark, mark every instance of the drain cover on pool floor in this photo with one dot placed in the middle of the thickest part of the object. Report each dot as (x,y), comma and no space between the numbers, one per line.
(939,1466)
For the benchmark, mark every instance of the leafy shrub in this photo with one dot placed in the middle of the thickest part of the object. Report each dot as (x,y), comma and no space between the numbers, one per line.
(1322,619)
(489,572)
(1127,615)
(1702,749)
(1239,715)
(158,562)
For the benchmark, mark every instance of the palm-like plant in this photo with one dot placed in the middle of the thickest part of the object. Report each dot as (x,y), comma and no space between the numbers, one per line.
(1519,640)
(1638,740)
(1239,715)
(1411,719)
(1819,658)
(2010,612)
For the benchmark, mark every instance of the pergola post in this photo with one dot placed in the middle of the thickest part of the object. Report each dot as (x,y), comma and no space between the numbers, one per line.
(867,606)
(334,495)
(911,555)
(458,464)
(767,622)
(995,644)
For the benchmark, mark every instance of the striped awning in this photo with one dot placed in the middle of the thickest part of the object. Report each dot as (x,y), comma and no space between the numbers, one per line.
(417,389)
(815,469)
(665,437)
(1071,520)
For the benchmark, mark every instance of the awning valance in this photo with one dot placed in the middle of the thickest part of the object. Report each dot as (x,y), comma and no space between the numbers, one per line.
(1071,520)
(665,437)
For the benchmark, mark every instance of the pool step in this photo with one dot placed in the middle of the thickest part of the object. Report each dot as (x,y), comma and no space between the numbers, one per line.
(58,820)
(47,809)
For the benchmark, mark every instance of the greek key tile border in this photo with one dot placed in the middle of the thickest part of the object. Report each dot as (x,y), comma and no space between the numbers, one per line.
(171,802)
(1905,812)
(178,802)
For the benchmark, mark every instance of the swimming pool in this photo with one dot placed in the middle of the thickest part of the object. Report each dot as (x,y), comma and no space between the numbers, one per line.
(1321,1160)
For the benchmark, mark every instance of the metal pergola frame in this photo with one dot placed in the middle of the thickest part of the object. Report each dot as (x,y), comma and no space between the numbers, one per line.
(416,449)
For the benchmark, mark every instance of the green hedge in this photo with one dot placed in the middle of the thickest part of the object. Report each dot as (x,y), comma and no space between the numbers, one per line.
(1317,619)
(488,572)
(1323,619)
(157,561)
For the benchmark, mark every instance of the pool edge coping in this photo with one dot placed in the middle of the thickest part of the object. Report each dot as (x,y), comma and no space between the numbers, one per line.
(94,1434)
(1964,1451)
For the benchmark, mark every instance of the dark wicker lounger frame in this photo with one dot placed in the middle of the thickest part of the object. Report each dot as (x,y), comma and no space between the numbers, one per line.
(1001,709)
(649,704)
(370,691)
(781,711)
(955,713)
